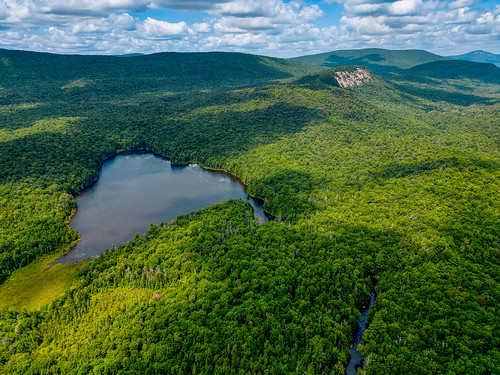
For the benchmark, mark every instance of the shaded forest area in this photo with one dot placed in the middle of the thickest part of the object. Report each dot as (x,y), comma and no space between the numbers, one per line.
(379,182)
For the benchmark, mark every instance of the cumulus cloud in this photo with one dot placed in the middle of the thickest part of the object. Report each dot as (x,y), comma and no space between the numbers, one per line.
(13,12)
(462,3)
(273,27)
(189,5)
(201,27)
(163,29)
(237,25)
(404,7)
(105,25)
(427,24)
(486,24)
(93,8)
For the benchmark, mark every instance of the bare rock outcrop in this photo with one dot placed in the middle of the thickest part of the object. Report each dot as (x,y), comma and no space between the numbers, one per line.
(356,77)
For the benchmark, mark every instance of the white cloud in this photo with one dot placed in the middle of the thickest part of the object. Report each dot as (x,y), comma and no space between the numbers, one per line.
(246,41)
(188,5)
(486,24)
(461,3)
(162,29)
(13,11)
(90,7)
(202,27)
(367,25)
(243,9)
(404,7)
(273,27)
(243,25)
(103,25)
(246,16)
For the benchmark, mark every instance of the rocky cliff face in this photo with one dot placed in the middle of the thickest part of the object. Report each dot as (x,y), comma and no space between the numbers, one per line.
(353,77)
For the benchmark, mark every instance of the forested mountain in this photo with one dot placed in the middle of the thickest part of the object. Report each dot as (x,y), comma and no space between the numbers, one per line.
(479,56)
(456,69)
(376,59)
(177,72)
(381,183)
(454,81)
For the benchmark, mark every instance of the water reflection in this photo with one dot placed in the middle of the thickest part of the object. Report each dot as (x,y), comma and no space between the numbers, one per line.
(356,360)
(136,190)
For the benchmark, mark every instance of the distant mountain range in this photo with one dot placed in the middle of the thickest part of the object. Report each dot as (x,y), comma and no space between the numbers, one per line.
(479,56)
(456,69)
(176,71)
(377,59)
(413,64)
(389,180)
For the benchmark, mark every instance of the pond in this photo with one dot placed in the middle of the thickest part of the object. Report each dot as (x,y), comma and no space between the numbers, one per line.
(135,190)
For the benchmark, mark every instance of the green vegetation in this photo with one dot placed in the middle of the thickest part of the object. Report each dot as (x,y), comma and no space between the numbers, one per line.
(37,284)
(387,181)
(459,82)
(455,70)
(376,59)
(480,56)
(213,292)
(29,75)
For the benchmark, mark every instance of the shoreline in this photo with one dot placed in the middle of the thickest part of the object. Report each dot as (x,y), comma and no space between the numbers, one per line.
(72,245)
(146,151)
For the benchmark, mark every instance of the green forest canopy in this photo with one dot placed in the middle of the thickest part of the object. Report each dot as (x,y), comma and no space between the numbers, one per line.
(389,181)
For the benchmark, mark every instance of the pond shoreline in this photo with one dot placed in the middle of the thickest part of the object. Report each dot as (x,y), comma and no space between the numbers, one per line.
(147,151)
(162,188)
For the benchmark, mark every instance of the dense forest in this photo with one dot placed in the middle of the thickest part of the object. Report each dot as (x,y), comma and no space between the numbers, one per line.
(393,183)
(377,59)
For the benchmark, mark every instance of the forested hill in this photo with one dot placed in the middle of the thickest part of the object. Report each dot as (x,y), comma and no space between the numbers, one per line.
(451,81)
(182,72)
(376,59)
(347,76)
(387,183)
(479,56)
(456,69)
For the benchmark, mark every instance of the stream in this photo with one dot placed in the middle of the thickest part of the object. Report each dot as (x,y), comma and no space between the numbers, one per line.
(356,360)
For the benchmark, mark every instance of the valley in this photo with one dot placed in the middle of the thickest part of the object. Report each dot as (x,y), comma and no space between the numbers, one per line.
(395,178)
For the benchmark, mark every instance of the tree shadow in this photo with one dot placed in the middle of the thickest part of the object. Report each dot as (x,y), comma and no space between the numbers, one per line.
(286,194)
(207,130)
(401,170)
(436,95)
(213,134)
(372,61)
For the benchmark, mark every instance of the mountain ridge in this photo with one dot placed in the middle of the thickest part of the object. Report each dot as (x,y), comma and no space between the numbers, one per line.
(376,59)
(479,56)
(181,71)
(393,183)
(455,69)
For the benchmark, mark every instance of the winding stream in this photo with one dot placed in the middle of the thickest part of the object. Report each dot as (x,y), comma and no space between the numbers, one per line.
(356,358)
(138,189)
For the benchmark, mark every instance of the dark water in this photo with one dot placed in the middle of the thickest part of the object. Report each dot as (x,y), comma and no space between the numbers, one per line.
(356,358)
(136,190)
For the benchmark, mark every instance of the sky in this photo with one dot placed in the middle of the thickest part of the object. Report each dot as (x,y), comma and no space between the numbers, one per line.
(278,28)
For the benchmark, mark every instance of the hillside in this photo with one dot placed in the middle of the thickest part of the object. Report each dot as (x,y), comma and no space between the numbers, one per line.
(479,56)
(173,72)
(370,185)
(345,77)
(454,81)
(456,69)
(376,59)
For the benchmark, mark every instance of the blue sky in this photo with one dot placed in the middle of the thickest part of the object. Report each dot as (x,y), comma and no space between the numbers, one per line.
(281,28)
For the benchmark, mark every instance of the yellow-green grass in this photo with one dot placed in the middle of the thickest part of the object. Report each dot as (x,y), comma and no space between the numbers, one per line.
(37,284)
